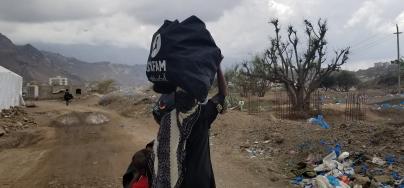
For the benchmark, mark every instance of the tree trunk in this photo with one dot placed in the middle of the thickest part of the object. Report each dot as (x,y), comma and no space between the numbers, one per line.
(299,99)
(300,102)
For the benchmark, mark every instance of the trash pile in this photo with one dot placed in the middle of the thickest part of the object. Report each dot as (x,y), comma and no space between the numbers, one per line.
(14,119)
(387,106)
(345,170)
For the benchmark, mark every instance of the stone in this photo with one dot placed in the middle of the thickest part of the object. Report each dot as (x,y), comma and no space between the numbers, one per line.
(274,179)
(279,140)
(2,131)
(343,126)
(19,124)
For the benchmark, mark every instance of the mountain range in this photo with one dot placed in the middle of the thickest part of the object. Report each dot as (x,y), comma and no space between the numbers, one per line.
(35,65)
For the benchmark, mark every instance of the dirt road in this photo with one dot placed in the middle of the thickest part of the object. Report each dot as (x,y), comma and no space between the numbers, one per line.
(69,151)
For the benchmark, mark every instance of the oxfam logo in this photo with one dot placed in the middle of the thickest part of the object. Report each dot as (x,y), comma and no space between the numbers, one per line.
(156,45)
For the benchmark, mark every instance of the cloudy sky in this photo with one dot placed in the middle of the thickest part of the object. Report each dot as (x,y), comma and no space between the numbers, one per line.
(121,30)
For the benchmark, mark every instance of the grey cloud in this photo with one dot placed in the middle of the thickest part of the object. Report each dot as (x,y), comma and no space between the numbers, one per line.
(155,12)
(240,27)
(47,10)
(149,12)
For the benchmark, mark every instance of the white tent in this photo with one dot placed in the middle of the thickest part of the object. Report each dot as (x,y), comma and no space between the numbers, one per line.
(10,89)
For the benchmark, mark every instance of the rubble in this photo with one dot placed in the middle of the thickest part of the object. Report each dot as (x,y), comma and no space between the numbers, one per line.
(14,119)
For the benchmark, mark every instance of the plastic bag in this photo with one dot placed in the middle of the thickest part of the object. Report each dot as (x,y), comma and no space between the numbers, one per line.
(319,120)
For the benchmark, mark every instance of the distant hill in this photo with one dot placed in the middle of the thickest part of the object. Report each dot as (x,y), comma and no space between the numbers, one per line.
(376,72)
(35,65)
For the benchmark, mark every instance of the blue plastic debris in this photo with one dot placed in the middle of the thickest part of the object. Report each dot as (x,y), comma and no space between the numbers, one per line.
(333,181)
(390,159)
(297,180)
(385,106)
(337,149)
(364,169)
(396,176)
(397,107)
(319,120)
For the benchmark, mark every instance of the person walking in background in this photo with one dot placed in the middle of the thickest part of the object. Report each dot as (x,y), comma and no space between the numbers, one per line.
(67,97)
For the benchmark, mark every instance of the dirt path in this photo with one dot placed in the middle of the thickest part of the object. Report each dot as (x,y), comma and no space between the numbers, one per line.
(73,156)
(87,155)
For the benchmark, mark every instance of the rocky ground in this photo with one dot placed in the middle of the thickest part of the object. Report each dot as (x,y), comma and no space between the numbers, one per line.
(14,123)
(89,144)
(293,148)
(14,119)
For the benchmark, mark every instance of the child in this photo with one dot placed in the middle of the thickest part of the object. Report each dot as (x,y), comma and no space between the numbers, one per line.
(138,173)
(140,179)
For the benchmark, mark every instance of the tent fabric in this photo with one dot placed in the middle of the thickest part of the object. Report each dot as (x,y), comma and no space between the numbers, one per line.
(10,89)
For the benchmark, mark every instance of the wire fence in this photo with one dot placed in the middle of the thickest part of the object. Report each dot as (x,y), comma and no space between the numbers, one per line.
(279,103)
(284,107)
(355,109)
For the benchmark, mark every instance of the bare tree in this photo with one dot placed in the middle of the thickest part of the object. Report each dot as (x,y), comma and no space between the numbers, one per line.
(301,73)
(258,77)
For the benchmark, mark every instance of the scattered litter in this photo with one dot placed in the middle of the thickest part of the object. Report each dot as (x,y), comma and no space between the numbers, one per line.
(390,159)
(387,106)
(254,152)
(297,180)
(340,169)
(319,120)
(378,161)
(343,156)
(333,181)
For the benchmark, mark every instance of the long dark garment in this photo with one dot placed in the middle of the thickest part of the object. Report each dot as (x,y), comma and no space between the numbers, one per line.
(182,151)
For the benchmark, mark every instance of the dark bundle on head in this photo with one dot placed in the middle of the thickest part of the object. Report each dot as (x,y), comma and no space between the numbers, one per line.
(183,54)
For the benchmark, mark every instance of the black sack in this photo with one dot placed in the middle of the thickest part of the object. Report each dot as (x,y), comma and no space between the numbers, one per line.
(185,55)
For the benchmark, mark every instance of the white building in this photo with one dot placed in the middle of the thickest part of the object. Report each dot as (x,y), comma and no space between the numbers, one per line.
(32,91)
(381,64)
(10,89)
(58,81)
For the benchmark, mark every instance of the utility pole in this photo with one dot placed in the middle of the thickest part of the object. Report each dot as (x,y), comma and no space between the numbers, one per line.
(398,58)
